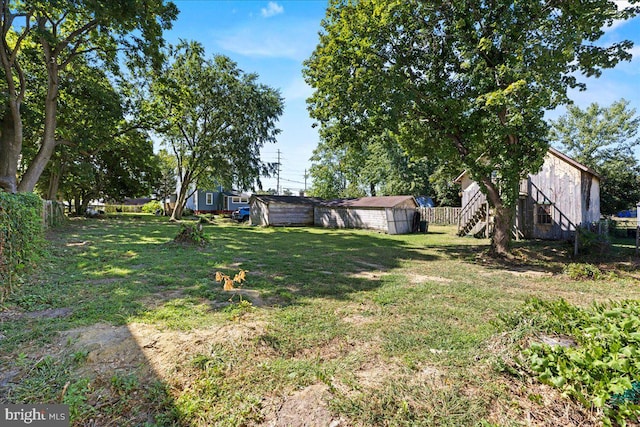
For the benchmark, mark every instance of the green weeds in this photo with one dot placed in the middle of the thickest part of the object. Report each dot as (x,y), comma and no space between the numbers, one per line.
(600,365)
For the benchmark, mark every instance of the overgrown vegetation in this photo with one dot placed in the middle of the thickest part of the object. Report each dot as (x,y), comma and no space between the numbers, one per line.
(21,236)
(579,271)
(598,362)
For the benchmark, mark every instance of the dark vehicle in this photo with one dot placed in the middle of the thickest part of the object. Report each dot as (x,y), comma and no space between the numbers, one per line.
(241,214)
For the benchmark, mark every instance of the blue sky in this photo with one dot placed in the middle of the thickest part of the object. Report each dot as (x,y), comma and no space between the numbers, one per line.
(273,38)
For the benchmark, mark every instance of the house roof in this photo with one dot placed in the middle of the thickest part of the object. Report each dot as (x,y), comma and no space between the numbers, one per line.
(370,202)
(136,202)
(288,200)
(559,155)
(572,162)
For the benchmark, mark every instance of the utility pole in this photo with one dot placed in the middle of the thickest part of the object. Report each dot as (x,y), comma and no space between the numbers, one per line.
(305,181)
(278,175)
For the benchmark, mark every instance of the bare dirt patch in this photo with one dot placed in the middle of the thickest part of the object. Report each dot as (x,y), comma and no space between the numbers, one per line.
(305,408)
(76,244)
(358,319)
(49,313)
(418,278)
(137,345)
(368,275)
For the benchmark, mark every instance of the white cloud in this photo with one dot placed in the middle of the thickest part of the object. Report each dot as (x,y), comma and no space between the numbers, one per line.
(297,89)
(295,41)
(272,9)
(620,4)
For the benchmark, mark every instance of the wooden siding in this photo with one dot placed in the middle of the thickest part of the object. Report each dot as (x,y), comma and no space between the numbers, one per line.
(286,214)
(375,219)
(568,191)
(280,214)
(400,221)
(258,212)
(573,196)
(440,215)
(388,220)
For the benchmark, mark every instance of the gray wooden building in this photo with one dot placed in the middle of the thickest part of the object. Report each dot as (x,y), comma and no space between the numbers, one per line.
(389,214)
(281,210)
(553,202)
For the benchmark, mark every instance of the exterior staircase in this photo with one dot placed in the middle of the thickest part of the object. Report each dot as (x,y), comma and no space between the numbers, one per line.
(473,213)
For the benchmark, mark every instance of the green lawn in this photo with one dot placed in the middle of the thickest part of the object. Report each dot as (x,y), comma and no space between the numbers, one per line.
(350,326)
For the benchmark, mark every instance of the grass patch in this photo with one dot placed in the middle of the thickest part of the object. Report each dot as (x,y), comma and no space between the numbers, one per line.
(385,330)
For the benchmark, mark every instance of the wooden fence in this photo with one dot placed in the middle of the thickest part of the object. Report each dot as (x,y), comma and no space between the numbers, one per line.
(52,213)
(441,215)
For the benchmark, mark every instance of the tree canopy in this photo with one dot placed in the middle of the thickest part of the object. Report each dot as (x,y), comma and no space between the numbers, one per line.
(381,168)
(64,32)
(467,81)
(215,119)
(604,138)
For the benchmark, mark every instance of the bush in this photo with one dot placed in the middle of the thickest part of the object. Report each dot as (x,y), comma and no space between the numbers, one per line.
(152,207)
(21,236)
(191,234)
(582,271)
(591,242)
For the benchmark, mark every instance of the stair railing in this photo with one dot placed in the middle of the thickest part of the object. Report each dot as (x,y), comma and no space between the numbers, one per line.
(469,210)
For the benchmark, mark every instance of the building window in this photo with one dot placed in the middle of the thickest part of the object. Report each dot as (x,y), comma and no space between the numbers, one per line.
(543,214)
(209,199)
(237,200)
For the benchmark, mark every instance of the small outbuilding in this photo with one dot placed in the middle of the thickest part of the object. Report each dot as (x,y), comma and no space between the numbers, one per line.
(281,210)
(562,196)
(389,214)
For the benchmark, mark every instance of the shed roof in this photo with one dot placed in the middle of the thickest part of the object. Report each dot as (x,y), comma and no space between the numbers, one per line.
(572,162)
(370,202)
(288,200)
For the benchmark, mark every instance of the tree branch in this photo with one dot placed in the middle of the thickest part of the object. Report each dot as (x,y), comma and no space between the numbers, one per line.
(72,35)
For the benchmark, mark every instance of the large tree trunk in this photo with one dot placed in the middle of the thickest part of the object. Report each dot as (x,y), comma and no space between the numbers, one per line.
(31,177)
(501,238)
(10,148)
(54,184)
(182,198)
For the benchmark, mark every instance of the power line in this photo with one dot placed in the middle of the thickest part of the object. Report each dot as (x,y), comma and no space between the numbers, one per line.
(278,181)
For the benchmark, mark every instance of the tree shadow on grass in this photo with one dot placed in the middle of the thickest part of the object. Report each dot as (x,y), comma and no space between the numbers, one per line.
(106,272)
(527,256)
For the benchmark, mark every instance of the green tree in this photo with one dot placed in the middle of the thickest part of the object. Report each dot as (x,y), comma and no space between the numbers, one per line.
(64,31)
(166,186)
(215,120)
(328,177)
(604,138)
(379,168)
(465,81)
(89,115)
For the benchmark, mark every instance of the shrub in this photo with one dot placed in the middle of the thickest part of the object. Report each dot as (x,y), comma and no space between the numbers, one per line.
(152,207)
(591,242)
(191,234)
(21,236)
(579,271)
